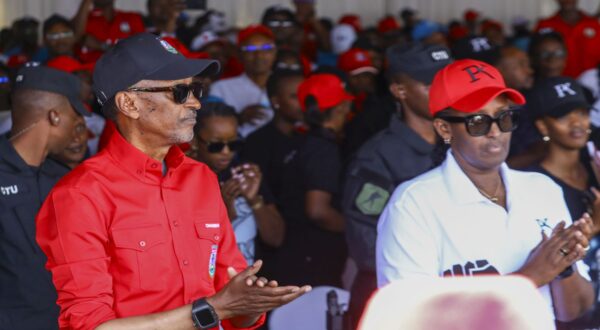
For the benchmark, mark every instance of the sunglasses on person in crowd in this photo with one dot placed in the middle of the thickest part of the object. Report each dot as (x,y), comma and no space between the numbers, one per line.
(4,80)
(283,24)
(59,35)
(480,124)
(559,53)
(283,65)
(257,48)
(217,147)
(180,92)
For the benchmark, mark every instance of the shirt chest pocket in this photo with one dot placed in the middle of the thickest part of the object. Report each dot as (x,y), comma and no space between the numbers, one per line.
(143,256)
(209,237)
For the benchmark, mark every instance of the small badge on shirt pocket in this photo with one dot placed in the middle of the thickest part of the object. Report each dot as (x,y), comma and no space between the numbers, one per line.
(212,261)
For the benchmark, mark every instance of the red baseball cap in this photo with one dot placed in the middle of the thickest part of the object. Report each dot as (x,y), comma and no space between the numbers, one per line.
(327,88)
(69,64)
(352,20)
(471,15)
(252,30)
(356,61)
(467,86)
(387,24)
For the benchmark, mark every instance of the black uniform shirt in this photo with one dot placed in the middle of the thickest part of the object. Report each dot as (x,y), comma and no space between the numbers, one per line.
(309,254)
(395,155)
(27,295)
(271,150)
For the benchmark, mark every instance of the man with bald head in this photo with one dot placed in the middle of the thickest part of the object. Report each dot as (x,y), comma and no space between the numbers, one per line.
(46,107)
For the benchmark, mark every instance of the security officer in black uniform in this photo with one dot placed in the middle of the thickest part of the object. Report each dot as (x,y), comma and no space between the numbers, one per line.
(396,154)
(46,104)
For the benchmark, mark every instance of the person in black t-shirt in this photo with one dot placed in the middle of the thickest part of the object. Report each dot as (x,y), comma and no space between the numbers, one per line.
(561,114)
(314,248)
(274,145)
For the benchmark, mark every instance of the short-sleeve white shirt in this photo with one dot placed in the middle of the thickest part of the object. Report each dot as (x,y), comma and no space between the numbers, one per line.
(240,92)
(439,224)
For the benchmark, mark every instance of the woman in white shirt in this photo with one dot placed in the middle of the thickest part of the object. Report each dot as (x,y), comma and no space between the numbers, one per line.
(472,214)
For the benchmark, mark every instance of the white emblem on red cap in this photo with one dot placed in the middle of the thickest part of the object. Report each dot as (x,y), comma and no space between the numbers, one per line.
(361,57)
(168,47)
(589,32)
(125,27)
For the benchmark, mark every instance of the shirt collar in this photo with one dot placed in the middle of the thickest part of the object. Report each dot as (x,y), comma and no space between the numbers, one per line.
(461,189)
(10,155)
(408,135)
(140,164)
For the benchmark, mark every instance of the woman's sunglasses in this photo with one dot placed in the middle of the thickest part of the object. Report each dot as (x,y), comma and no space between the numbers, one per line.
(217,147)
(180,92)
(480,124)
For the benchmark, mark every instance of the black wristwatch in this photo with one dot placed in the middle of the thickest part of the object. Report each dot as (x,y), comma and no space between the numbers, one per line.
(203,315)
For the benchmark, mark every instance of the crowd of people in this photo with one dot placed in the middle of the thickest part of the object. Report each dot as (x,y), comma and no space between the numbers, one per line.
(158,171)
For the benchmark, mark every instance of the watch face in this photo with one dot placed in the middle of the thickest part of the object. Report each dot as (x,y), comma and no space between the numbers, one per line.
(205,317)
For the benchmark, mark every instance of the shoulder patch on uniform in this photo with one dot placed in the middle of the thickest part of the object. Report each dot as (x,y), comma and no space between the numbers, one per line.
(371,199)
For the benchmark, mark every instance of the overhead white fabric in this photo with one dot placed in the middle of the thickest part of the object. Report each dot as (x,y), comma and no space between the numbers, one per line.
(243,12)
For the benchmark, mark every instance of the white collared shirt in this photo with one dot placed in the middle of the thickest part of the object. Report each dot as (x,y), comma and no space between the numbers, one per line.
(439,224)
(240,92)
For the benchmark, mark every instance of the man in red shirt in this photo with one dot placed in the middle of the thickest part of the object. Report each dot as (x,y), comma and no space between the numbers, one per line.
(581,34)
(101,26)
(138,236)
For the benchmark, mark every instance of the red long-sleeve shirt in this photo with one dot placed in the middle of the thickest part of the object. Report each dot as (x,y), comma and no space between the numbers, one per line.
(124,240)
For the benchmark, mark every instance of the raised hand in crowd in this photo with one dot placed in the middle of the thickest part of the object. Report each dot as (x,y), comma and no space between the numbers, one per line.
(230,190)
(249,176)
(252,114)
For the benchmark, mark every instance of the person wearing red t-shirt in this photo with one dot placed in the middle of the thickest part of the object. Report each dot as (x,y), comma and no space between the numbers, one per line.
(316,37)
(581,34)
(101,26)
(137,237)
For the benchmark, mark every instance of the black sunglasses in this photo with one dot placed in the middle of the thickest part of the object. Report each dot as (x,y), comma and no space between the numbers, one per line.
(559,53)
(180,92)
(217,147)
(480,124)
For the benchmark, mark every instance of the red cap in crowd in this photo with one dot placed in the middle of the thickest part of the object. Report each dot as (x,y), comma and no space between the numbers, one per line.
(491,25)
(352,20)
(251,30)
(387,24)
(356,61)
(326,88)
(69,64)
(471,15)
(467,86)
(458,32)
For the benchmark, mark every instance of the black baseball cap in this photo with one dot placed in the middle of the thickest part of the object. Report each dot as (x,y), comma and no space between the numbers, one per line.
(419,61)
(477,48)
(37,77)
(143,56)
(556,97)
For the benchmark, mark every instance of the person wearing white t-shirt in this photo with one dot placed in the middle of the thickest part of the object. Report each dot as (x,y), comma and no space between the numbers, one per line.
(473,215)
(247,92)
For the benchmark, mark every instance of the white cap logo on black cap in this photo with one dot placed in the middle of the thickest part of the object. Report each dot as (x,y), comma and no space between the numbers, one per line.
(168,47)
(440,55)
(480,44)
(563,89)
